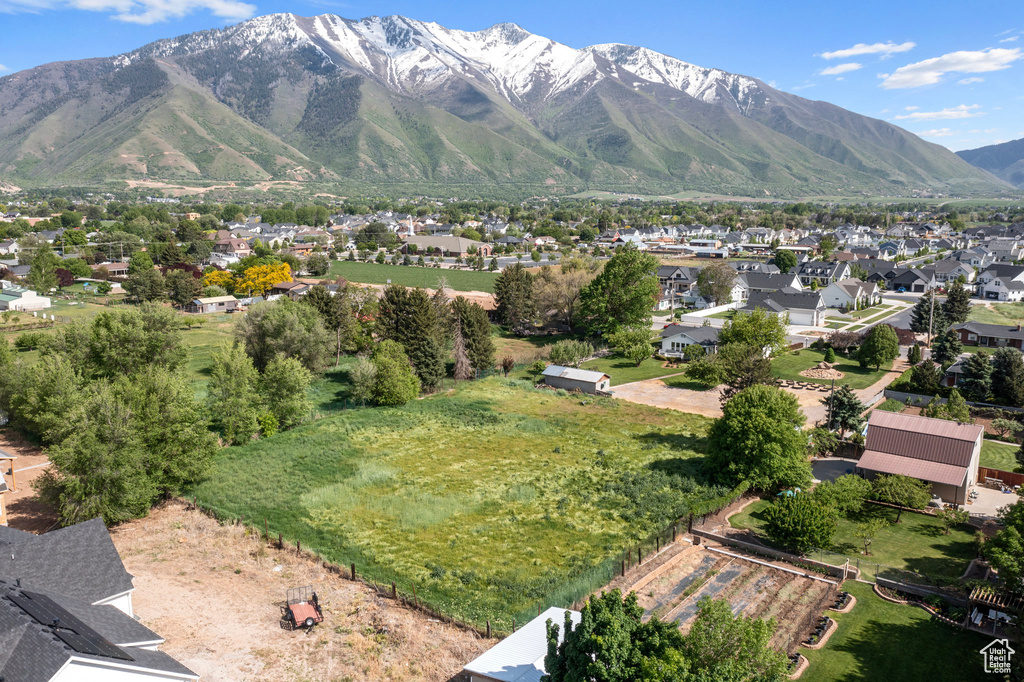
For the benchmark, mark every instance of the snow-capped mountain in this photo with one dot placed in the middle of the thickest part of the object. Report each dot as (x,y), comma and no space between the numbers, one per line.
(411,55)
(395,102)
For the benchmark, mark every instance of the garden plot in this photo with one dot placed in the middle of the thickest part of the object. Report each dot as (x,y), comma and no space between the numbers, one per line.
(751,589)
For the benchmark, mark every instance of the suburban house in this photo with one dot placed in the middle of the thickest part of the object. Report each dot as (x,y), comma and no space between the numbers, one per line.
(232,246)
(822,273)
(292,290)
(214,304)
(66,611)
(9,247)
(112,269)
(520,656)
(913,280)
(22,299)
(1001,282)
(676,281)
(572,379)
(849,294)
(675,338)
(447,246)
(8,481)
(937,451)
(806,308)
(756,282)
(989,335)
(948,270)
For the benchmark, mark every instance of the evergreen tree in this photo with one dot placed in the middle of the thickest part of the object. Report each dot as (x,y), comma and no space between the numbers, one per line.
(513,294)
(914,354)
(946,348)
(926,377)
(957,306)
(421,332)
(976,379)
(924,313)
(172,254)
(1008,376)
(846,409)
(395,383)
(476,333)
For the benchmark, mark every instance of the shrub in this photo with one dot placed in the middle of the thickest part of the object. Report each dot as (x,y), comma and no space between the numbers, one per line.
(830,355)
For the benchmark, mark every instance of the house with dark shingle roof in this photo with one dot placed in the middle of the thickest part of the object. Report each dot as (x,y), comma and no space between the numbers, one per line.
(821,272)
(990,335)
(66,612)
(937,451)
(676,337)
(803,307)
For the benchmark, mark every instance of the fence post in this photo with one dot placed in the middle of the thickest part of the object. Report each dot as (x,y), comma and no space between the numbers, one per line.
(298,546)
(353,571)
(623,568)
(394,591)
(513,625)
(266,529)
(415,599)
(488,628)
(280,541)
(639,556)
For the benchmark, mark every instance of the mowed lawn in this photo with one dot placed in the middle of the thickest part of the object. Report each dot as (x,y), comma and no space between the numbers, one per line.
(879,640)
(917,543)
(413,276)
(789,365)
(490,499)
(1002,456)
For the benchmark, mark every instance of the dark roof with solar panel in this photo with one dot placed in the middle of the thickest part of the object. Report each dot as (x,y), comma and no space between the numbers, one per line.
(65,626)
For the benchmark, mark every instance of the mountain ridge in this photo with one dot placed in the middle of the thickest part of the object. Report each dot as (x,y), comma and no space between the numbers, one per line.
(396,100)
(1005,160)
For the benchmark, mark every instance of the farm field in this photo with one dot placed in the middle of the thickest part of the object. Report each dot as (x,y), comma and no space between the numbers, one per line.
(788,366)
(917,543)
(879,640)
(413,276)
(751,589)
(1002,456)
(489,499)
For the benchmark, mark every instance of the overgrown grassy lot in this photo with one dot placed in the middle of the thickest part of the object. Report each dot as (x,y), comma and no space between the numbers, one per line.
(917,543)
(879,640)
(413,276)
(999,313)
(789,366)
(491,499)
(1000,456)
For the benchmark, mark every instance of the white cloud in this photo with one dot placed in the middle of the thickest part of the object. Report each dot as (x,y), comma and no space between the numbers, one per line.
(2,68)
(885,49)
(936,132)
(931,71)
(911,108)
(987,132)
(139,11)
(962,111)
(841,68)
(972,79)
(1010,39)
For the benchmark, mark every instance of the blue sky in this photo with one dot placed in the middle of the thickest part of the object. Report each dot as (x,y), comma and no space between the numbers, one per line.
(948,70)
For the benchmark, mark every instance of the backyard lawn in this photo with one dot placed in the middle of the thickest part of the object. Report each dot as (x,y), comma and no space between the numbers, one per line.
(1002,456)
(413,276)
(879,640)
(916,543)
(789,366)
(491,499)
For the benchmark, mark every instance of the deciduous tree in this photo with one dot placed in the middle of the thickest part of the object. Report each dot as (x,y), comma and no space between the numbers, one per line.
(395,383)
(879,347)
(759,439)
(800,522)
(716,281)
(623,294)
(903,491)
(286,328)
(233,394)
(759,329)
(283,387)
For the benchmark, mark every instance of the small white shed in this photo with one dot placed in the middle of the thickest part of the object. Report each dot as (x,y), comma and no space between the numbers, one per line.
(572,379)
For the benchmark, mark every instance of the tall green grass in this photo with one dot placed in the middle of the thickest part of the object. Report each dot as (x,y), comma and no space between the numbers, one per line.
(490,500)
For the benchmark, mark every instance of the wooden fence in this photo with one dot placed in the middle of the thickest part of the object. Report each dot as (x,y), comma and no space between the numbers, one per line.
(1007,477)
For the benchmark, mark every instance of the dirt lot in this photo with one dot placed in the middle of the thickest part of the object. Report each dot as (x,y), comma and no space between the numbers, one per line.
(215,592)
(673,590)
(24,511)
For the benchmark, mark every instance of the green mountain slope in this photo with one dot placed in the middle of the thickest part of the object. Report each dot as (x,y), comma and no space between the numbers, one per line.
(1005,161)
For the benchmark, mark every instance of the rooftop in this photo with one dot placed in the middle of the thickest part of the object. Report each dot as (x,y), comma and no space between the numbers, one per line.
(520,656)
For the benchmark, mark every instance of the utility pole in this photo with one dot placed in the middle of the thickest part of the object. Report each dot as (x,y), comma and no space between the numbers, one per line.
(831,402)
(931,317)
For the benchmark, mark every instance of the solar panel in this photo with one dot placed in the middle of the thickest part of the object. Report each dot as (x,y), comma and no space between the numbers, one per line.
(66,626)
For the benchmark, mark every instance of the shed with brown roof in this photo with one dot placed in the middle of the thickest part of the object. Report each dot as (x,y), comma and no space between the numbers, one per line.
(941,452)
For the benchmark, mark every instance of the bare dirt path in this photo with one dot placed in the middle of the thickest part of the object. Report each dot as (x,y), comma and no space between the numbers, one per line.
(214,593)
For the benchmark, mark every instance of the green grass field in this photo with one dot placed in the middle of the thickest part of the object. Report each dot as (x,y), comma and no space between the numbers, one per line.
(916,543)
(1002,456)
(413,276)
(789,366)
(491,499)
(879,640)
(1000,313)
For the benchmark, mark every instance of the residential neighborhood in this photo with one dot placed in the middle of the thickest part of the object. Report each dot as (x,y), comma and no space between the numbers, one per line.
(407,441)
